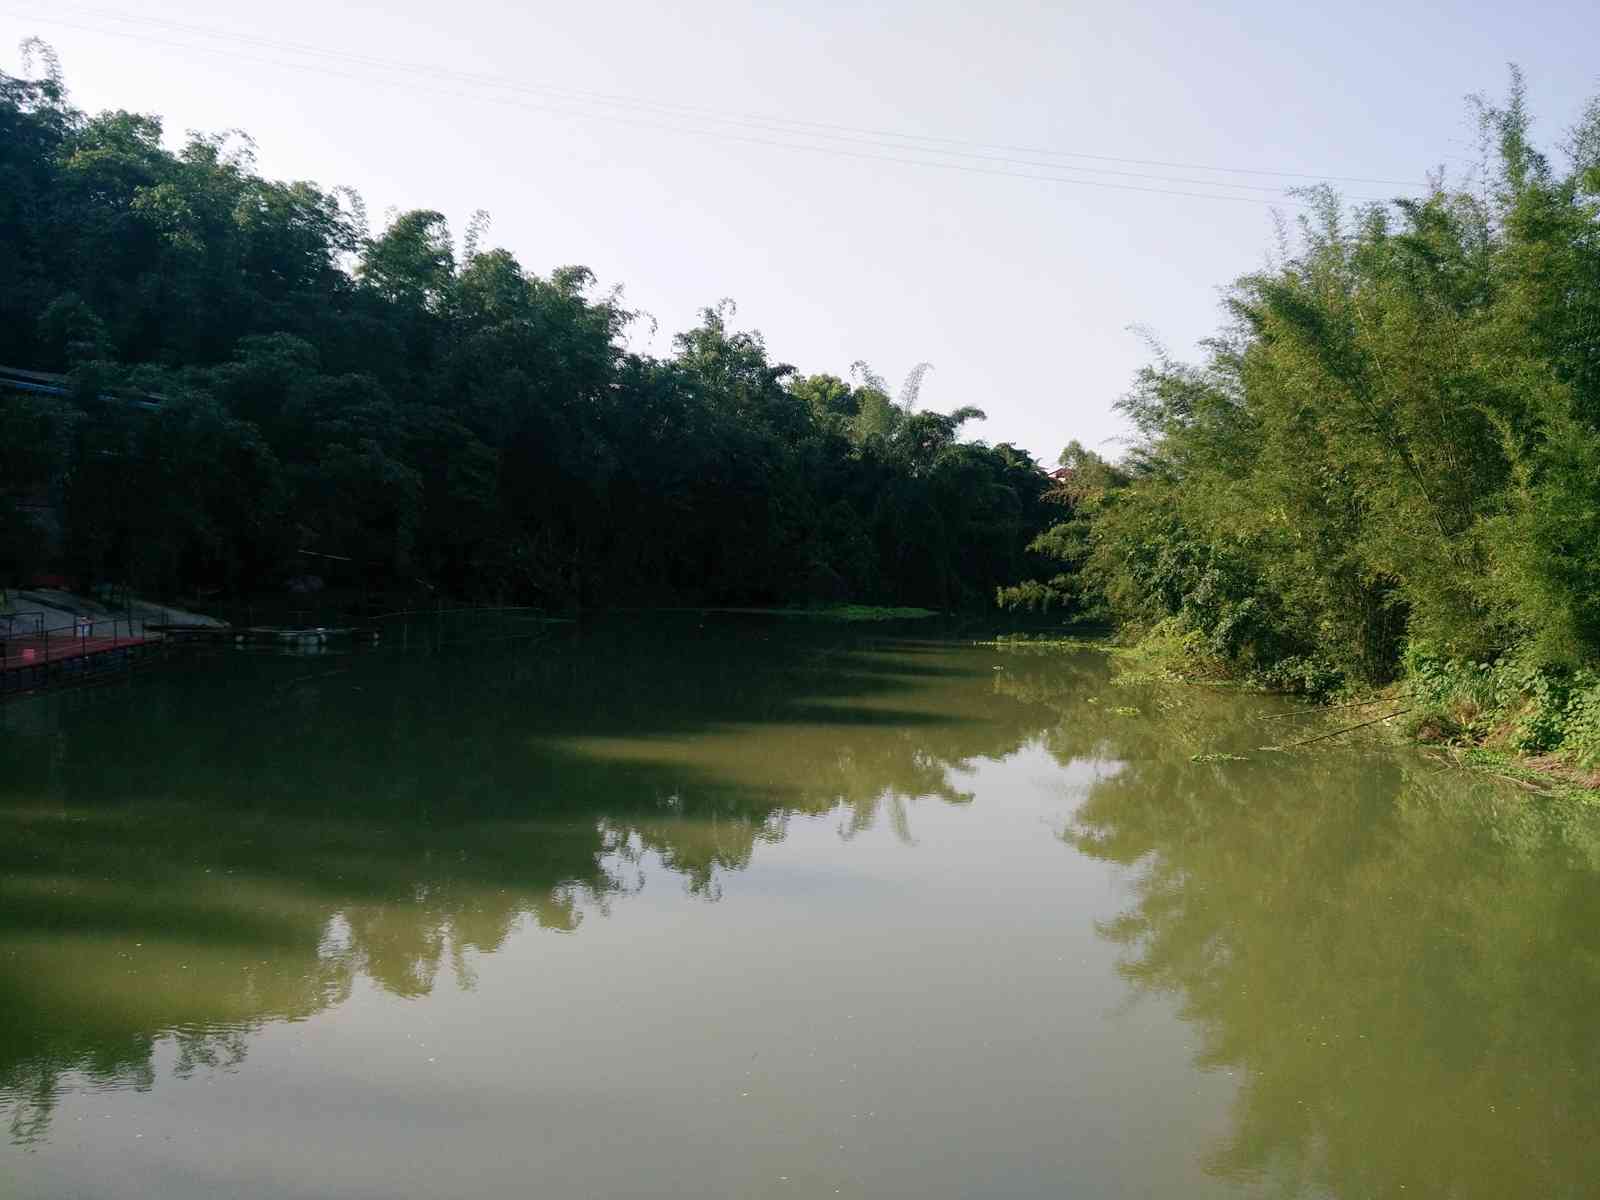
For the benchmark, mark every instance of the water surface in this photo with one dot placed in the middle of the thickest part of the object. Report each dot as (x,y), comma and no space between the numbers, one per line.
(727,907)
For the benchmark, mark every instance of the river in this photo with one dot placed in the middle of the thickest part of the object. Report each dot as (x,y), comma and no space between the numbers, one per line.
(701,906)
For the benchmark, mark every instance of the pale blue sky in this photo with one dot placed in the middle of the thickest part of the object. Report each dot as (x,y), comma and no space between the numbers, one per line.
(1020,292)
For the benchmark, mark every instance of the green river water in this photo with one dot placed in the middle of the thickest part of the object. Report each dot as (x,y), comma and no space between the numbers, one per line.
(734,907)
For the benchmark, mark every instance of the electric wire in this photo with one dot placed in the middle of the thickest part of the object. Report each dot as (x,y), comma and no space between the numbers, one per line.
(763,121)
(1286,195)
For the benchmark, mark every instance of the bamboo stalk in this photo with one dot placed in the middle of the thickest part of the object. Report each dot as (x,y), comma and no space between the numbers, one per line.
(1346,729)
(1300,712)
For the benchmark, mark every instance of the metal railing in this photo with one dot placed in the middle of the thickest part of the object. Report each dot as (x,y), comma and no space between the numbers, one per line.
(33,650)
(38,647)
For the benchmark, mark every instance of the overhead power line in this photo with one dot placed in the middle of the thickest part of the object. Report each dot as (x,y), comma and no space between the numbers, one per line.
(612,98)
(670,116)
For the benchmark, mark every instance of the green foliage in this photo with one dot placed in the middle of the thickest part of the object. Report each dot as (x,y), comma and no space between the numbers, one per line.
(1079,493)
(386,408)
(1515,702)
(1394,440)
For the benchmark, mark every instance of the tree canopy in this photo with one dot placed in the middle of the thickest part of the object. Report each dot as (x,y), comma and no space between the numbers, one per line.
(1390,451)
(433,413)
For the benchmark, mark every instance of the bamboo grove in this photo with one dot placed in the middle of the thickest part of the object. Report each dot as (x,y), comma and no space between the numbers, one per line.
(1387,461)
(426,410)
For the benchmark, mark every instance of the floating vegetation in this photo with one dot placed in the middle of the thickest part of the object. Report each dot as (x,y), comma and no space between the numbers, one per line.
(844,612)
(1014,641)
(1217,756)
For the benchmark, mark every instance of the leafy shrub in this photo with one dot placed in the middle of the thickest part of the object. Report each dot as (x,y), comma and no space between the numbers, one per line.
(1533,707)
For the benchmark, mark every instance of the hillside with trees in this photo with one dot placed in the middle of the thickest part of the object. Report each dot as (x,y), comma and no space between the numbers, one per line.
(264,386)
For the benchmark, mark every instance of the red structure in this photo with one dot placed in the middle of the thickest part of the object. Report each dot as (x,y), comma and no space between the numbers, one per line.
(54,647)
(34,658)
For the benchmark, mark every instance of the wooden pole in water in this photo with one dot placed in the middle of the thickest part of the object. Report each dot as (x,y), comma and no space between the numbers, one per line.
(1346,729)
(1321,708)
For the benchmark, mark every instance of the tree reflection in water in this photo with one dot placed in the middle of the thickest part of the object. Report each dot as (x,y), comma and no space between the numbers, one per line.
(193,857)
(1399,964)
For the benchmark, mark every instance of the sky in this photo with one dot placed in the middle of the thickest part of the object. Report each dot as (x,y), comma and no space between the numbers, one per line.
(778,154)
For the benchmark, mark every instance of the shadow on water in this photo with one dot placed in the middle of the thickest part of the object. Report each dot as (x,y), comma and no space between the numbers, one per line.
(200,853)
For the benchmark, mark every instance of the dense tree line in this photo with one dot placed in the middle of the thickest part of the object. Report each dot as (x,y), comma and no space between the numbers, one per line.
(1390,454)
(433,413)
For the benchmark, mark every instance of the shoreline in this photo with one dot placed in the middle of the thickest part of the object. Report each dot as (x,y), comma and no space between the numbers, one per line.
(1545,773)
(52,610)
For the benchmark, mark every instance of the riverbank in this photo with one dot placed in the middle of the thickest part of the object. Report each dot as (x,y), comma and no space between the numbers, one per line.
(38,611)
(1532,725)
(53,610)
(50,637)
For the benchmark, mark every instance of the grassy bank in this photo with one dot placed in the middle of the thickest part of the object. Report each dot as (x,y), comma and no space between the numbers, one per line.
(1509,714)
(1535,724)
